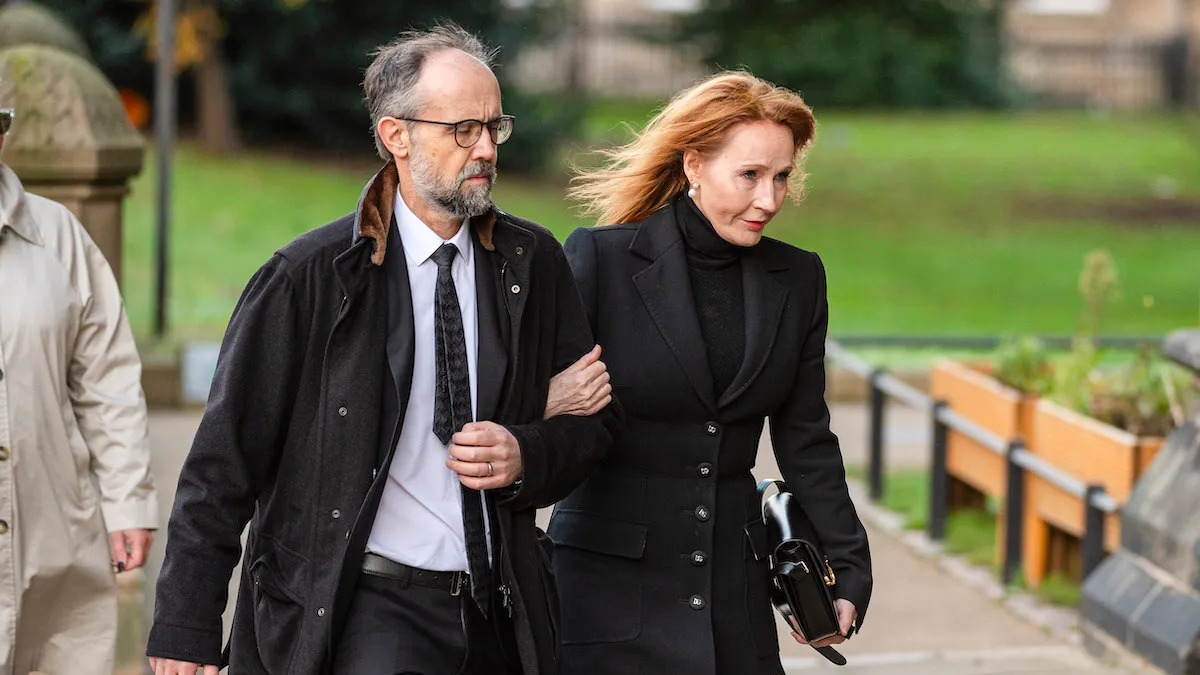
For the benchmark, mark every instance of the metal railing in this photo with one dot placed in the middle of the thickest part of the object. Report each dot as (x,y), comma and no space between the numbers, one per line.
(1019,463)
(985,342)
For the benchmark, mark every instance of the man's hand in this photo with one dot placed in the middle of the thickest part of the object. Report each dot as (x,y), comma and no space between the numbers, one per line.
(847,615)
(485,455)
(129,548)
(169,667)
(582,389)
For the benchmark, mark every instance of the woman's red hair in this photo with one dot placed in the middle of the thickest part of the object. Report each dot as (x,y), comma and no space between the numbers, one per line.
(644,175)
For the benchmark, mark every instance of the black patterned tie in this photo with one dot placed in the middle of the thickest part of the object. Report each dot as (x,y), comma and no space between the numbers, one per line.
(452,410)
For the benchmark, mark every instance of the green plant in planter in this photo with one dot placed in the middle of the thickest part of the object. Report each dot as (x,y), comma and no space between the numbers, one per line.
(1074,375)
(1147,396)
(1024,364)
(1098,284)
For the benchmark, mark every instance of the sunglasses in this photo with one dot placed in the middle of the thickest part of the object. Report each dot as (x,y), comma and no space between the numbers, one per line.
(6,120)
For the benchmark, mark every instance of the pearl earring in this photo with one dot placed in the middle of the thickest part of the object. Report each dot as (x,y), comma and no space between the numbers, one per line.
(692,192)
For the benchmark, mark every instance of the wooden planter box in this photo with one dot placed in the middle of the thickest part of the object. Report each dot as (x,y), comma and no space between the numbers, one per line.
(1090,451)
(971,391)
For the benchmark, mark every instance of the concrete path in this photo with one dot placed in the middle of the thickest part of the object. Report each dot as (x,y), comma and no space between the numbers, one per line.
(906,435)
(1050,660)
(921,620)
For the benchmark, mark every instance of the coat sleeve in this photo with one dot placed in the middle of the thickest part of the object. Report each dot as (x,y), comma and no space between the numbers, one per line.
(105,385)
(580,251)
(557,454)
(233,455)
(811,461)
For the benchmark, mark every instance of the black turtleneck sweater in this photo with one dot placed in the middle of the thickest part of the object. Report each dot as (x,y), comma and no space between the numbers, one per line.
(715,269)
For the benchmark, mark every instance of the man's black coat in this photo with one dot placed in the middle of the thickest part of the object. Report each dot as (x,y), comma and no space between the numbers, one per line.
(301,423)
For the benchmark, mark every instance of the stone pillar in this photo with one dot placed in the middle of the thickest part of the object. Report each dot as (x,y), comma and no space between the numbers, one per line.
(1146,596)
(70,141)
(27,23)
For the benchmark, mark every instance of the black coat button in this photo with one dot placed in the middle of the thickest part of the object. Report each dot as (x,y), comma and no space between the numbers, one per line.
(703,514)
(711,428)
(699,558)
(697,602)
(704,470)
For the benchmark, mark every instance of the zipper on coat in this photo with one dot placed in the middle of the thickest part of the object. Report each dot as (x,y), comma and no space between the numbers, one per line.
(504,588)
(504,286)
(514,337)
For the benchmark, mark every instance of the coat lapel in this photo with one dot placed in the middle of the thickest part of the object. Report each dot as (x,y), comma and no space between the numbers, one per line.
(765,301)
(666,290)
(492,358)
(401,337)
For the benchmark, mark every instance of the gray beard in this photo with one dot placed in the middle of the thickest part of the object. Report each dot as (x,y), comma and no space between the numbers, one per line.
(450,197)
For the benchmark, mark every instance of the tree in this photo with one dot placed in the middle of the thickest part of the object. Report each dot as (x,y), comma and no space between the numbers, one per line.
(199,32)
(908,53)
(289,71)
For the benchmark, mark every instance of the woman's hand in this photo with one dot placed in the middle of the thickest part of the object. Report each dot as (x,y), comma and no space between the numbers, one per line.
(582,389)
(847,616)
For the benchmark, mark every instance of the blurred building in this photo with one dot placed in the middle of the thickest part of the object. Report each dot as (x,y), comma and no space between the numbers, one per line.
(1111,54)
(614,48)
(1104,53)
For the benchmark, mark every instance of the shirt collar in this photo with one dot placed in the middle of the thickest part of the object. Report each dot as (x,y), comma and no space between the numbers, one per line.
(13,213)
(420,241)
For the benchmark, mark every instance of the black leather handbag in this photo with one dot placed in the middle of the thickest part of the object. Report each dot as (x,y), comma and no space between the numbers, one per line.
(802,580)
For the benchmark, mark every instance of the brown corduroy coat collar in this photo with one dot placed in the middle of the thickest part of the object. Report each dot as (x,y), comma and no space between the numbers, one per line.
(373,219)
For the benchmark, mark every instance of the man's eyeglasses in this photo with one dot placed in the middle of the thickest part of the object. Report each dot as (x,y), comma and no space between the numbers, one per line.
(6,120)
(467,132)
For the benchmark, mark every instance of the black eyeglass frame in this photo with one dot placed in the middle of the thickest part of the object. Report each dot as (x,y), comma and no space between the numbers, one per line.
(493,127)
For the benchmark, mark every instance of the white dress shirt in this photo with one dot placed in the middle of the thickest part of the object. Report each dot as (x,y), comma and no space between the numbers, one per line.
(420,519)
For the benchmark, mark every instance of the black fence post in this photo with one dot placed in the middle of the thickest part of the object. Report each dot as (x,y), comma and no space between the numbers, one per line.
(1093,530)
(1014,513)
(878,402)
(939,479)
(1175,62)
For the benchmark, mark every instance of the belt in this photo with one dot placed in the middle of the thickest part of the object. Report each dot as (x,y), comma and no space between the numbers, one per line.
(451,582)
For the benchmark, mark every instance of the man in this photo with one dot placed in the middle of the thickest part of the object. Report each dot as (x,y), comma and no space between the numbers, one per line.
(377,374)
(72,416)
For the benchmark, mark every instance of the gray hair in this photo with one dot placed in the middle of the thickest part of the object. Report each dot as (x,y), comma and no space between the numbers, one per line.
(392,77)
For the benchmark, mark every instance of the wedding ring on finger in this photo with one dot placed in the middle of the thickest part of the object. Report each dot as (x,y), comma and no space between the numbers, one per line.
(490,470)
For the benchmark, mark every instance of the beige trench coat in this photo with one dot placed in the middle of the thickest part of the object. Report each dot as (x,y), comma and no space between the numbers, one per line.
(74,458)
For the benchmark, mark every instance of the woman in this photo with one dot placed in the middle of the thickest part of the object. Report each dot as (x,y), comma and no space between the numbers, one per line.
(708,327)
(72,418)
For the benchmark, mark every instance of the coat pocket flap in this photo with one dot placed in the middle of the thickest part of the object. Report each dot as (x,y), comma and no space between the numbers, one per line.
(599,534)
(266,575)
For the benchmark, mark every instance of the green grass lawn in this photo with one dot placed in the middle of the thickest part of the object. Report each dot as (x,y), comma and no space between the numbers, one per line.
(948,223)
(970,533)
